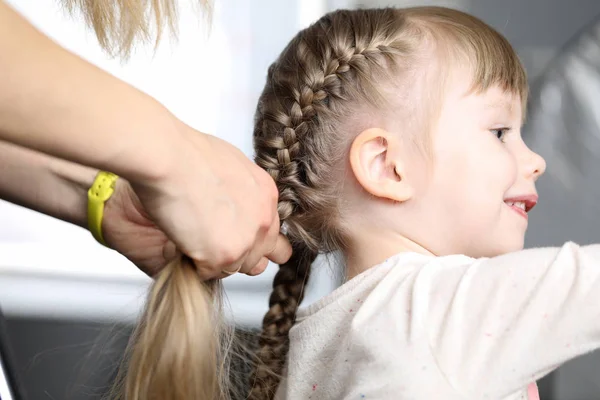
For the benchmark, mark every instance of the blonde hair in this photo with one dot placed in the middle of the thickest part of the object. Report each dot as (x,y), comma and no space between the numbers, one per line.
(120,24)
(329,77)
(180,347)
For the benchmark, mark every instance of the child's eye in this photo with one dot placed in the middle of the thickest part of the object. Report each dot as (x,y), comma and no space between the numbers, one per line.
(500,133)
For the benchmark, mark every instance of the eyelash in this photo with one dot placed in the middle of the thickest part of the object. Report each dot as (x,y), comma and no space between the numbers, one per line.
(503,132)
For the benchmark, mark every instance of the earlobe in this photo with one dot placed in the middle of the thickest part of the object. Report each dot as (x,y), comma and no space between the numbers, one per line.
(375,159)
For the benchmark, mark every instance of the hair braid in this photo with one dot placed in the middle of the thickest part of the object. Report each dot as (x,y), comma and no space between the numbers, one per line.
(307,91)
(288,292)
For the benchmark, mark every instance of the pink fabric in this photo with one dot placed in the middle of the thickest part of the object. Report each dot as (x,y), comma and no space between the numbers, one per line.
(532,392)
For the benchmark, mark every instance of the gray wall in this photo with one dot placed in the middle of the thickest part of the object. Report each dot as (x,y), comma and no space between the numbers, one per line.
(536,28)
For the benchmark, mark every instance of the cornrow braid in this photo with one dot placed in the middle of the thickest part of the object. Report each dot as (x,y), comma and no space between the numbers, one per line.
(309,93)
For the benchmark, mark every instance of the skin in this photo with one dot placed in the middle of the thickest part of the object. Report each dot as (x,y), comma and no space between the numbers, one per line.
(453,202)
(59,188)
(62,119)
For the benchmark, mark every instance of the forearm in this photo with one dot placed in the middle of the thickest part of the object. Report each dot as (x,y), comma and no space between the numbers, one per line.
(46,184)
(55,102)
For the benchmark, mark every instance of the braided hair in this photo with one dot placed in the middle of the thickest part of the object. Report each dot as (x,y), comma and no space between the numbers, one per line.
(330,76)
(311,89)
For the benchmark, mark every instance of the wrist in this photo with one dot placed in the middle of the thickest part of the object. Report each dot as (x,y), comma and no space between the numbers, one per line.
(48,185)
(165,174)
(72,199)
(150,153)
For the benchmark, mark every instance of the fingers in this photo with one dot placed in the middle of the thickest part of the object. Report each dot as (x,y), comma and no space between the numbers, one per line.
(282,251)
(256,270)
(272,246)
(208,272)
(260,267)
(231,270)
(260,223)
(262,247)
(279,249)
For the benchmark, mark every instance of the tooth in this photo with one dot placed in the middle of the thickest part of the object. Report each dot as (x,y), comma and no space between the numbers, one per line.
(519,204)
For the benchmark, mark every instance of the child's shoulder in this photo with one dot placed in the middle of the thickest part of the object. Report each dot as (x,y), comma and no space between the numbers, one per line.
(407,269)
(393,269)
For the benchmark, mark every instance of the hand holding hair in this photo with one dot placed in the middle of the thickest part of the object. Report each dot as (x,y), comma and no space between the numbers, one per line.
(211,201)
(217,206)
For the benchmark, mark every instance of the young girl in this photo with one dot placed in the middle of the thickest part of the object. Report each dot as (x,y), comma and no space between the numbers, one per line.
(394,138)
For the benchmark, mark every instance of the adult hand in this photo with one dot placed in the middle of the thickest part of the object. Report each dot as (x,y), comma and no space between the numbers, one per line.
(128,229)
(216,205)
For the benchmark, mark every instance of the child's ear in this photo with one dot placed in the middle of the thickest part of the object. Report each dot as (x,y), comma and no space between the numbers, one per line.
(376,164)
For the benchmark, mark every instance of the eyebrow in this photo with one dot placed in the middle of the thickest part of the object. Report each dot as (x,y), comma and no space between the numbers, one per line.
(503,104)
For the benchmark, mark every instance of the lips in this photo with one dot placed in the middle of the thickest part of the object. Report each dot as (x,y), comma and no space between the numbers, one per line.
(522,204)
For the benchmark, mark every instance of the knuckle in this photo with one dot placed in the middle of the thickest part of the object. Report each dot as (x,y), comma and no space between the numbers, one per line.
(267,185)
(266,221)
(274,190)
(262,265)
(229,254)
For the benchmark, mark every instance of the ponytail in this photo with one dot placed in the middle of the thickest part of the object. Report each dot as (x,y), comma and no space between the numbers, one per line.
(175,353)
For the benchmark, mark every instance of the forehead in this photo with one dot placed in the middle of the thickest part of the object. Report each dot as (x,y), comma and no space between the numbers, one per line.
(493,101)
(496,100)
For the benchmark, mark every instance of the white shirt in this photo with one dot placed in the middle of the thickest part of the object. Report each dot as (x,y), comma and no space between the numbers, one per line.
(444,328)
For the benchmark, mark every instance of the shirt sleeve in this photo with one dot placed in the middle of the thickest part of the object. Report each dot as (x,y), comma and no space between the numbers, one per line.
(497,324)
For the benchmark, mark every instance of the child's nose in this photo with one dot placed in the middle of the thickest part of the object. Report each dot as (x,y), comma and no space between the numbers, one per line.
(535,165)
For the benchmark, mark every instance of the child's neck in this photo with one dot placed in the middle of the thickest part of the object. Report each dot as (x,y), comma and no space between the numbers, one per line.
(373,246)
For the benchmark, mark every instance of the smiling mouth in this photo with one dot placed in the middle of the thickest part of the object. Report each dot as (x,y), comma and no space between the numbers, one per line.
(522,205)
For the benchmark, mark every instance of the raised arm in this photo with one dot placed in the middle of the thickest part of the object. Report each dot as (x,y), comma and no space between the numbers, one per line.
(496,325)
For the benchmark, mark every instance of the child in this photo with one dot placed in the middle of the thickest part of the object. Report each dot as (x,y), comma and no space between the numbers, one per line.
(394,138)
